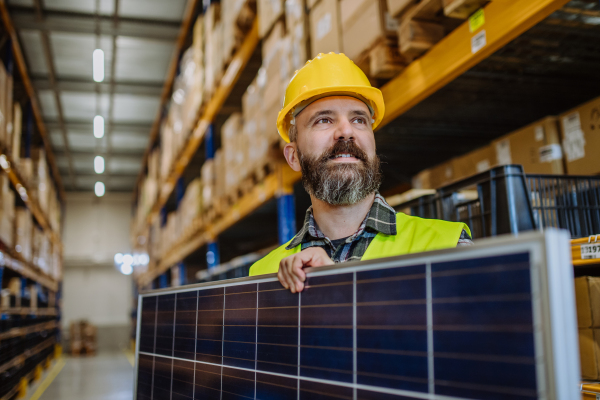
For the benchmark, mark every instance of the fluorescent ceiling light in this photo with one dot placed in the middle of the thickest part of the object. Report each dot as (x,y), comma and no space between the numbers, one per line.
(98,126)
(99,164)
(98,65)
(99,189)
(126,269)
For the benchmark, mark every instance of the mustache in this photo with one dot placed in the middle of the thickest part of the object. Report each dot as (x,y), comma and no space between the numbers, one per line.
(345,147)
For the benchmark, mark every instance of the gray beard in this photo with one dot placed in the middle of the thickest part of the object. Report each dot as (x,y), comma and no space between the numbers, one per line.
(340,184)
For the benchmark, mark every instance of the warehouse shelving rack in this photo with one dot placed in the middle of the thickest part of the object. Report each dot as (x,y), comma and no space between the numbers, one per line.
(42,353)
(504,21)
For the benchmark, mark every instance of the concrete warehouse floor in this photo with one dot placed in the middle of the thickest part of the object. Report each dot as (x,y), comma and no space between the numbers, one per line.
(102,377)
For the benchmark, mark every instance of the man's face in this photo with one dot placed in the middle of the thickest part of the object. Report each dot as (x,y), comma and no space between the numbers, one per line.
(335,149)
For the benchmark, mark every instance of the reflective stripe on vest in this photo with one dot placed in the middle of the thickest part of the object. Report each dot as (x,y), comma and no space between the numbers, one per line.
(414,235)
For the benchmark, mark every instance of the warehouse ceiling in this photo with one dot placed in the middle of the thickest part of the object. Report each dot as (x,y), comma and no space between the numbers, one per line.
(138,39)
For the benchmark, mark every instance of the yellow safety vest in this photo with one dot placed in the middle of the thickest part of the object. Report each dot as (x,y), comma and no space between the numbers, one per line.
(414,235)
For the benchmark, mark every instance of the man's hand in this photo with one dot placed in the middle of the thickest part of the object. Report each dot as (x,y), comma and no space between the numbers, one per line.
(292,276)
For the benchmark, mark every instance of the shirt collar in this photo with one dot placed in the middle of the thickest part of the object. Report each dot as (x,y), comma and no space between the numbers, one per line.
(380,218)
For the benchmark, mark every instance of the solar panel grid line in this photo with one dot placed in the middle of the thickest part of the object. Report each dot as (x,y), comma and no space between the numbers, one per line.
(429,304)
(256,346)
(334,320)
(154,347)
(195,348)
(222,345)
(173,344)
(354,338)
(298,354)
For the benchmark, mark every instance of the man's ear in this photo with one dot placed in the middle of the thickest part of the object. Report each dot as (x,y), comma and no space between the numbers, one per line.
(290,153)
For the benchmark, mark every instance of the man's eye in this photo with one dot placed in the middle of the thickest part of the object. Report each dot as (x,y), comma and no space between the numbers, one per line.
(360,120)
(322,121)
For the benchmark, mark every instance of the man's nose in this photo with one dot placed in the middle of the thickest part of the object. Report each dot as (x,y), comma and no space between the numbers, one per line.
(344,131)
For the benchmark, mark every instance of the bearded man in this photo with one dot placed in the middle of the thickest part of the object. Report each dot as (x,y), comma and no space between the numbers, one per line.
(328,116)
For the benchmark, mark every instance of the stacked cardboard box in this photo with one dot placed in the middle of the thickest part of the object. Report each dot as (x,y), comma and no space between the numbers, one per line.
(536,147)
(190,206)
(296,42)
(15,150)
(55,269)
(6,109)
(83,338)
(41,250)
(23,233)
(587,296)
(269,11)
(355,15)
(207,176)
(580,138)
(7,213)
(234,150)
(325,29)
(213,48)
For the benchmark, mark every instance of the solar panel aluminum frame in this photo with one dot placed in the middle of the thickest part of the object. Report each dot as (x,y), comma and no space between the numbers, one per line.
(553,298)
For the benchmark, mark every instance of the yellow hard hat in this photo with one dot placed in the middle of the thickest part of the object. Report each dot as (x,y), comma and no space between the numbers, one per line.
(328,75)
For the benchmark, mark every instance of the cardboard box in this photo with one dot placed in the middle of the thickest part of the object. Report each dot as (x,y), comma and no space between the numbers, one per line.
(589,353)
(269,11)
(580,138)
(355,16)
(474,162)
(17,129)
(587,297)
(23,233)
(397,7)
(295,12)
(325,29)
(434,177)
(536,147)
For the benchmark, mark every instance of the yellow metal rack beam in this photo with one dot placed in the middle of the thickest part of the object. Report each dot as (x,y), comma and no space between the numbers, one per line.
(462,50)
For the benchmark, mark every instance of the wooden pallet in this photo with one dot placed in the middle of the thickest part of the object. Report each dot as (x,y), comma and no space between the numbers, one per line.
(421,28)
(382,60)
(462,9)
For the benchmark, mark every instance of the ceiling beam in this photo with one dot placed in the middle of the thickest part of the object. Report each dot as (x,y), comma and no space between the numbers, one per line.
(25,18)
(80,85)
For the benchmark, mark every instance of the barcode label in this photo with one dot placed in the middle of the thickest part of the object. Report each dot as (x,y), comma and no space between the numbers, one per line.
(590,251)
(478,42)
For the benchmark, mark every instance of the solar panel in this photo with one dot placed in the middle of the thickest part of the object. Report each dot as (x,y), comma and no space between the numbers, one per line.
(491,321)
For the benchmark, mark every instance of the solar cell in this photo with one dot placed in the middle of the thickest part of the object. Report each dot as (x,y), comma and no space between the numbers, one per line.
(493,321)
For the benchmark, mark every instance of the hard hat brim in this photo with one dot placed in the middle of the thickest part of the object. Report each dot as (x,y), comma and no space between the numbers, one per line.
(370,95)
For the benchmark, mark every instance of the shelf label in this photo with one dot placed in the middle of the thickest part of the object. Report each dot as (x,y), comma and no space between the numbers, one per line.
(478,42)
(476,20)
(590,251)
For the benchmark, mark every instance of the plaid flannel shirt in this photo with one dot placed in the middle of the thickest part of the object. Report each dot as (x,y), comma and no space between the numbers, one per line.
(380,218)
